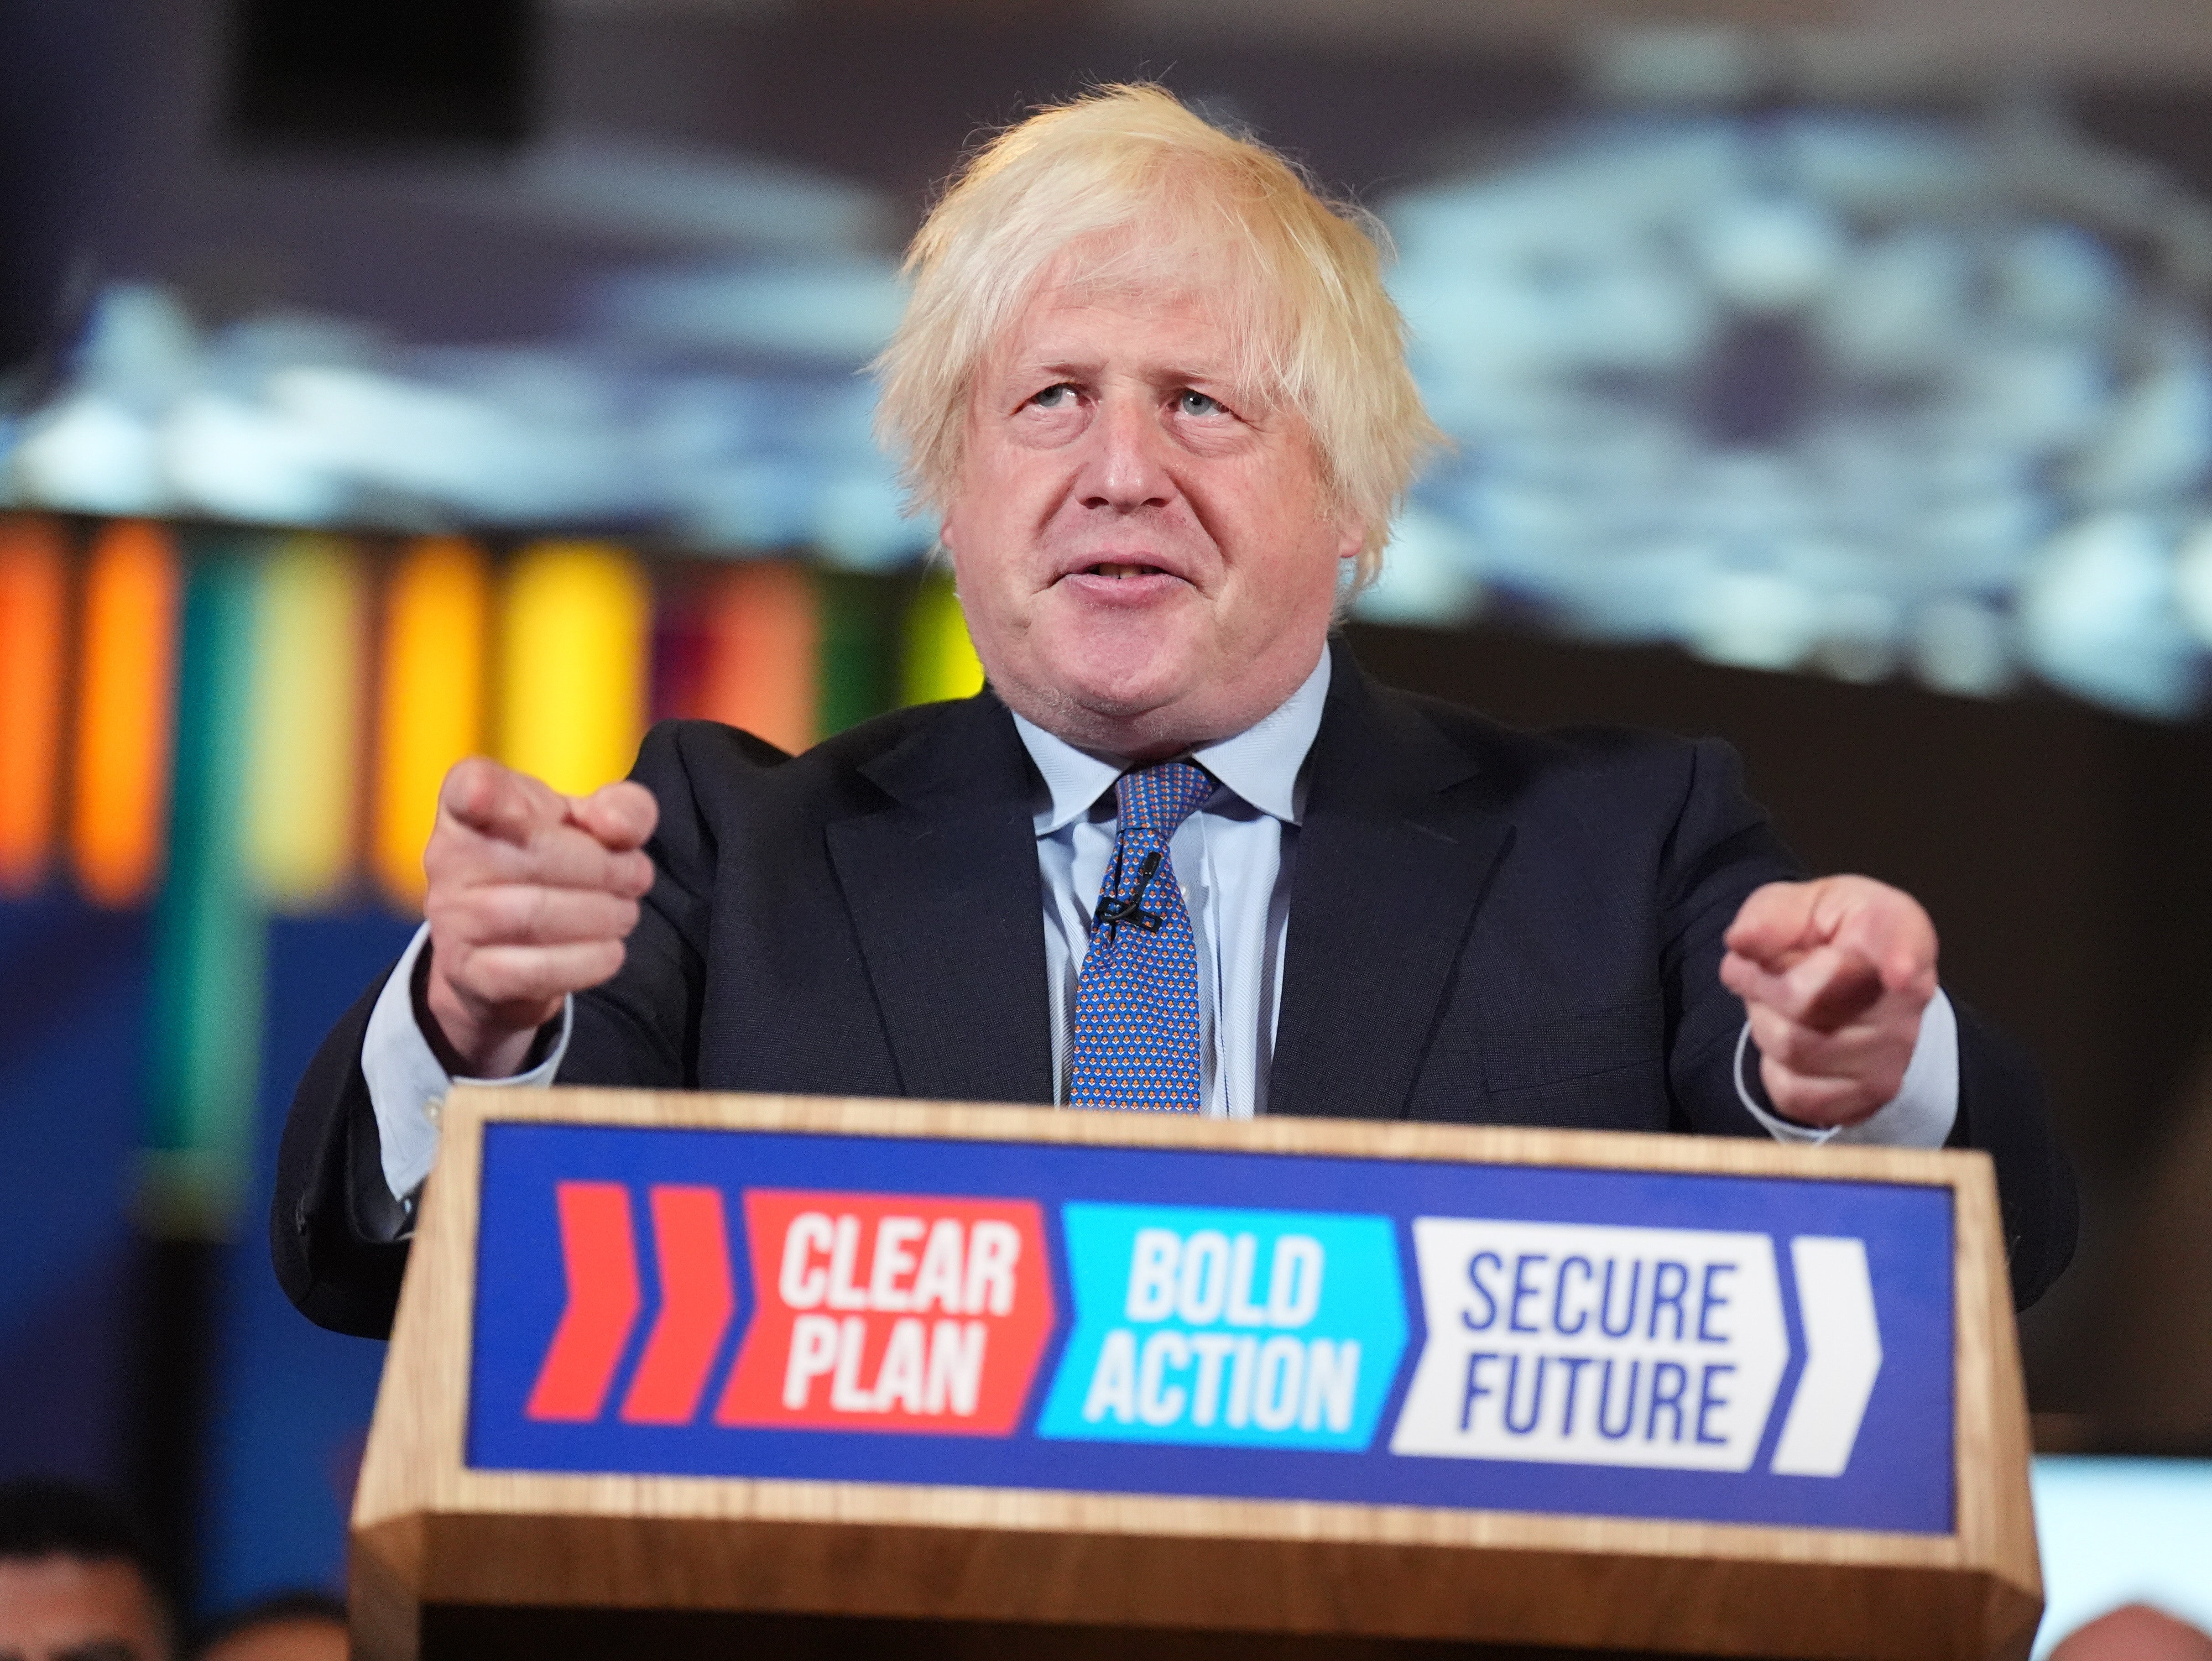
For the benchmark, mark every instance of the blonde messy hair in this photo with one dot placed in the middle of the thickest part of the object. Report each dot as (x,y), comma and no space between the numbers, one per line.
(1159,192)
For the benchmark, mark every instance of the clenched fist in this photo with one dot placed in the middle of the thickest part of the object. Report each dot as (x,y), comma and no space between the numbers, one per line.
(1833,975)
(531,896)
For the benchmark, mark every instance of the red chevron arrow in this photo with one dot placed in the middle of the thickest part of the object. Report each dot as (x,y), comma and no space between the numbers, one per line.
(598,1254)
(692,1245)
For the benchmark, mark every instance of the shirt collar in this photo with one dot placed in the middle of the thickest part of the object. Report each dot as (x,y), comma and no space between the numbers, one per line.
(1260,763)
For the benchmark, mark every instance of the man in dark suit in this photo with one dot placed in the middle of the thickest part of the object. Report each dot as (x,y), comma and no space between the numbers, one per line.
(1182,855)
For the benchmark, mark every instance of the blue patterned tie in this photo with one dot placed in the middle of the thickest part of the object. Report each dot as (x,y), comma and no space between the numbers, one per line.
(1135,1044)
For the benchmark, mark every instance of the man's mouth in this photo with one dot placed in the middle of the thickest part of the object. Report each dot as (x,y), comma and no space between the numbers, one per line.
(1110,569)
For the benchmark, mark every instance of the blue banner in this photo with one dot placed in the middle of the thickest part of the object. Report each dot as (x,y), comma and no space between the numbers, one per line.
(1734,1349)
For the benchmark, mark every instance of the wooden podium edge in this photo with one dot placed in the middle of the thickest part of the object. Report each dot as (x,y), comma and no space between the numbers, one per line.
(1994,1509)
(1975,1593)
(1512,1598)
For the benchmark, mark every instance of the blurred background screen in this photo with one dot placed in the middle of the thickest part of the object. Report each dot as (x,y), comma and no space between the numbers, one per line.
(385,382)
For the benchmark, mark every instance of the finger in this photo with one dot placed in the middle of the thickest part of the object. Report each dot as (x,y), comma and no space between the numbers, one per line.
(1827,988)
(1747,978)
(497,802)
(557,856)
(620,816)
(1836,986)
(1759,985)
(531,914)
(569,858)
(1892,930)
(1868,1050)
(1777,919)
(1824,1102)
(497,977)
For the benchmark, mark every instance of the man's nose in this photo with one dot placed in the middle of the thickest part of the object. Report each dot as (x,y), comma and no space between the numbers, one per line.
(1127,466)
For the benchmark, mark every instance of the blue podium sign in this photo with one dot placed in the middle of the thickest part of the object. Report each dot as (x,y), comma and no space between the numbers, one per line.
(1192,1321)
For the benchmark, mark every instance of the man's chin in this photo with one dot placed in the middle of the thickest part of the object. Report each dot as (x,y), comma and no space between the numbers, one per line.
(1119,698)
(1119,709)
(1124,669)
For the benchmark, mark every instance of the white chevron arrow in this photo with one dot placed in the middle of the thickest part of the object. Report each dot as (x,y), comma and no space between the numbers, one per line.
(1843,1356)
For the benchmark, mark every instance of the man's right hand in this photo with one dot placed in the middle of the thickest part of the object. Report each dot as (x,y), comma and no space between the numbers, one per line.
(532,895)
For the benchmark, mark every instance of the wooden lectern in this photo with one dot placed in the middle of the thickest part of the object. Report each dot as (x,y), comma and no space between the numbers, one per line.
(684,1374)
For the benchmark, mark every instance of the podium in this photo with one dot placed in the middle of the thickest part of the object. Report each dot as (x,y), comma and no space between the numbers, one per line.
(681,1374)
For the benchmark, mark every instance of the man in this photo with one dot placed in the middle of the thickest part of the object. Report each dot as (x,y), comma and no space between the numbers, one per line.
(1182,853)
(76,1583)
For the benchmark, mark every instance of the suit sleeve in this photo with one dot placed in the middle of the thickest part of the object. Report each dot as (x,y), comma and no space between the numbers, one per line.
(335,1231)
(1722,848)
(2003,1111)
(337,1235)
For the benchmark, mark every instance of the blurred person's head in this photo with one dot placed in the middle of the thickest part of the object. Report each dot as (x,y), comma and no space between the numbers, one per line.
(2134,1632)
(77,1582)
(296,1626)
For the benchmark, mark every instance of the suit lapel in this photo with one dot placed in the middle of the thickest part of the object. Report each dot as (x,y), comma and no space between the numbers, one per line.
(1390,871)
(946,901)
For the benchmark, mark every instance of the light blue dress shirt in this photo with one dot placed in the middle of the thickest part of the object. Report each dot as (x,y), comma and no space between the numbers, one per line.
(1234,859)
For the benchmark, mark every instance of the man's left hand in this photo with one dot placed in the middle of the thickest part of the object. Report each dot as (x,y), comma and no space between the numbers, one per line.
(1833,975)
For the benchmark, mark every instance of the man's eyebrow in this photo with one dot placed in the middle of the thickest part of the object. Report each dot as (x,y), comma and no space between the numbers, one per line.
(1068,369)
(1060,368)
(1222,377)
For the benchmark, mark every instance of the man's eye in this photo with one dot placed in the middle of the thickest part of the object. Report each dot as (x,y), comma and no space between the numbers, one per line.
(1197,404)
(1054,398)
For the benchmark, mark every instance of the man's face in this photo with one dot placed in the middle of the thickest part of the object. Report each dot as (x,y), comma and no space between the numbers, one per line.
(1143,550)
(68,1609)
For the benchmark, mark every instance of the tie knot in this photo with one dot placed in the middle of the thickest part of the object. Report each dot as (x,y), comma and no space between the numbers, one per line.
(1159,798)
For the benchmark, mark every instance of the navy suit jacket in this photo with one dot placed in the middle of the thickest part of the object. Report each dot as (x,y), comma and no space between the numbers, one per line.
(1486,926)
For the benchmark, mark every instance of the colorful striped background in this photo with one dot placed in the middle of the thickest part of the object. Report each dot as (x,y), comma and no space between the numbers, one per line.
(224,725)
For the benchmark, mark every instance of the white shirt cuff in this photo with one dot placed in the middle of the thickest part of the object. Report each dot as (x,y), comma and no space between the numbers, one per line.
(407,1084)
(1920,1114)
